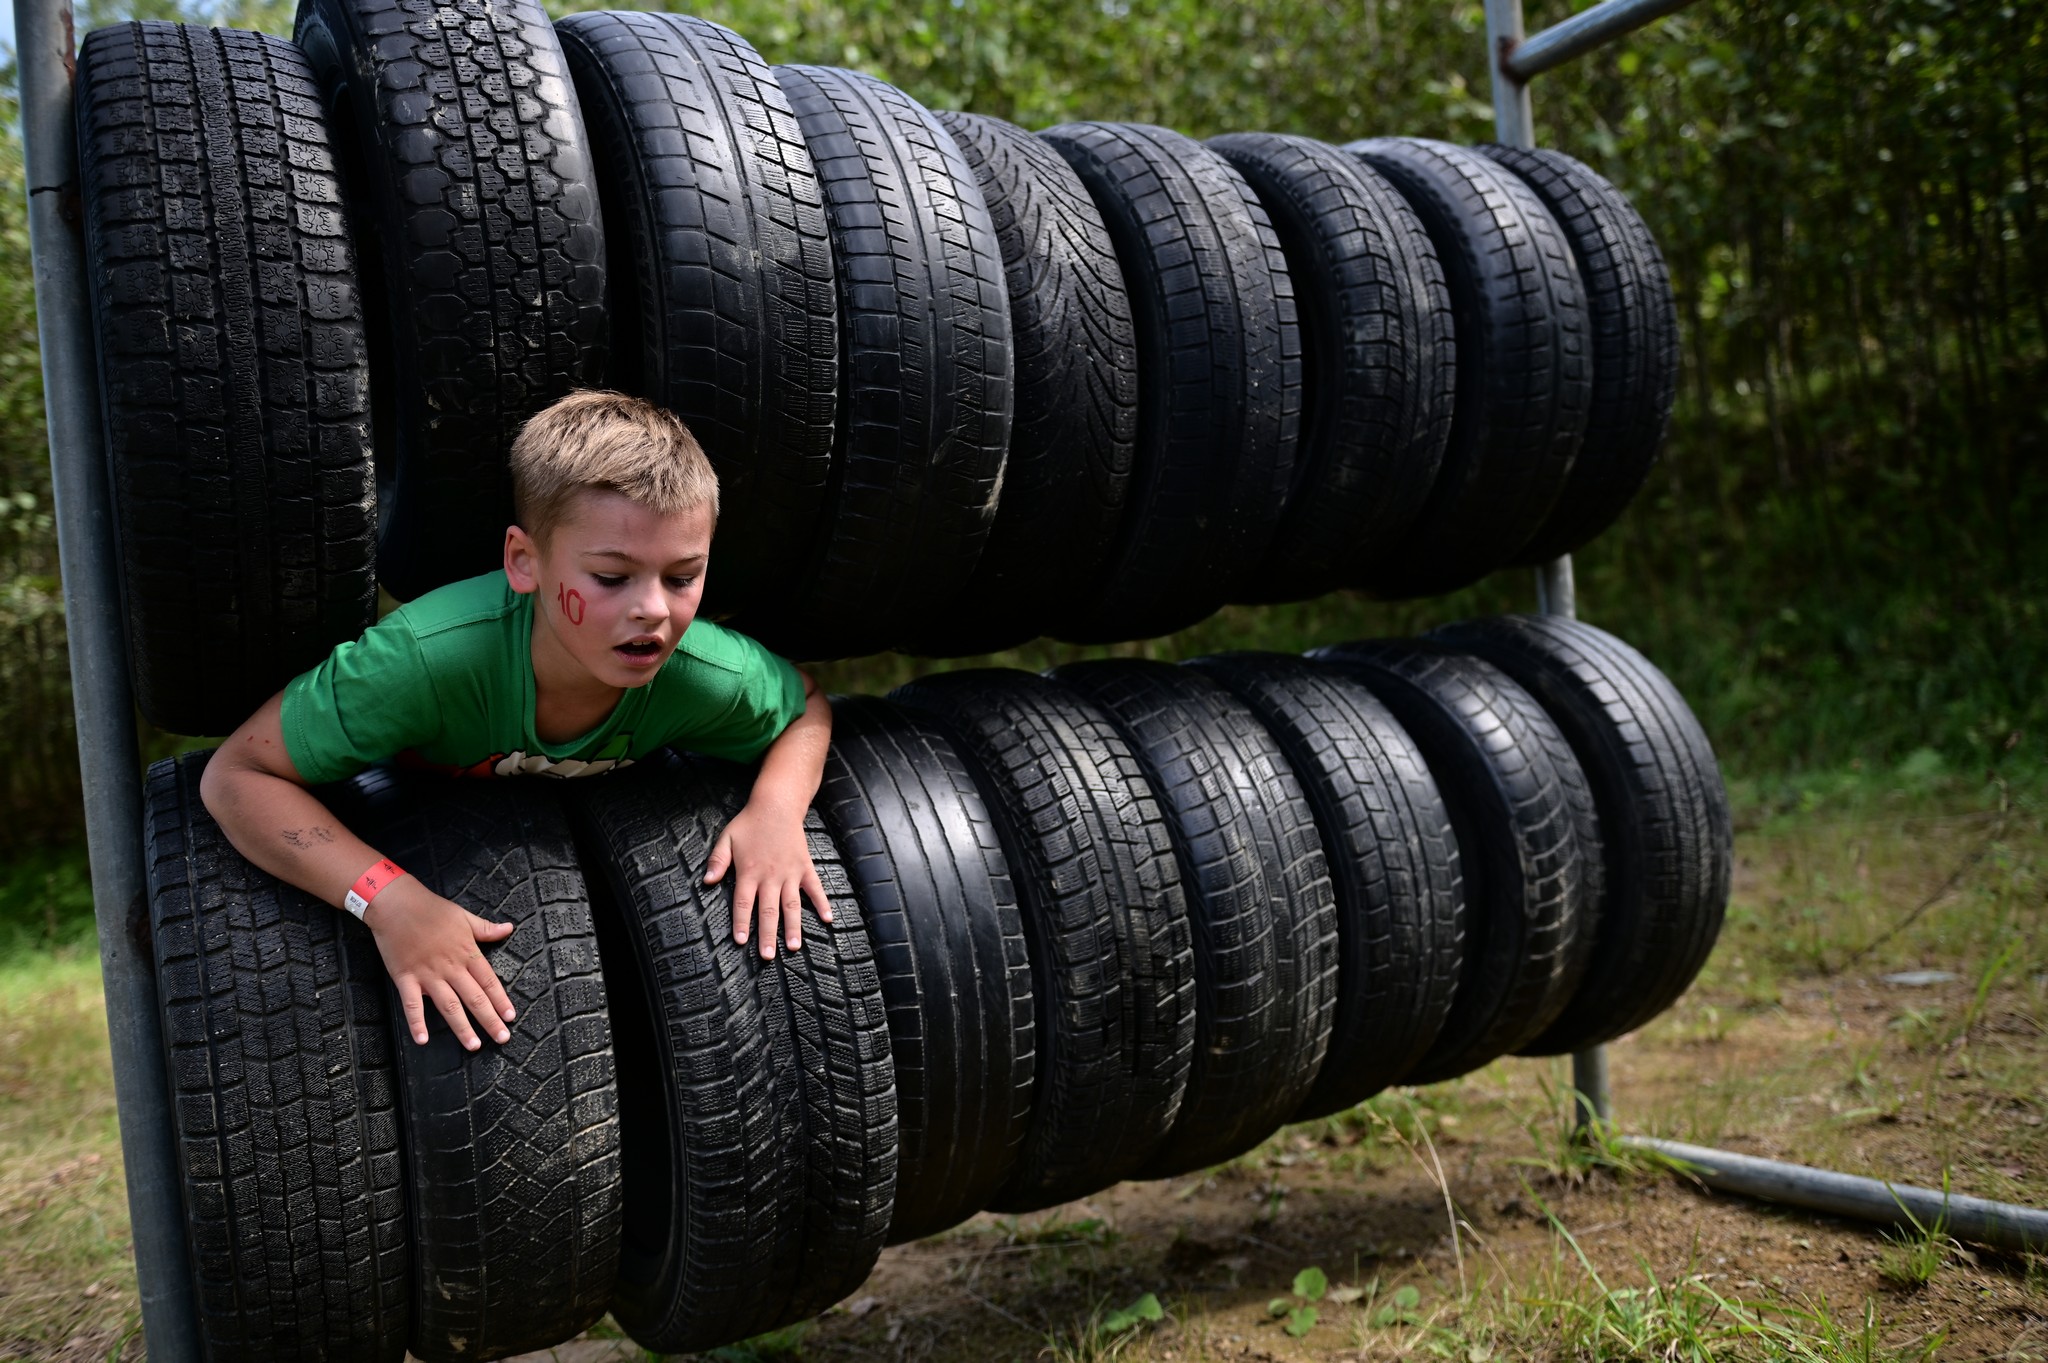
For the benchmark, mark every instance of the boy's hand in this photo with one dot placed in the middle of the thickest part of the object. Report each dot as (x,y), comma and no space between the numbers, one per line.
(429,945)
(766,845)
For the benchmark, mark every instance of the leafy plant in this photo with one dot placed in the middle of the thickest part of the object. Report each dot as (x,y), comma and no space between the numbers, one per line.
(1400,1308)
(1146,1310)
(1299,1312)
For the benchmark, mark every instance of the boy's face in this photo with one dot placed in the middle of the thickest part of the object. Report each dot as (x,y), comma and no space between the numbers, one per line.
(615,584)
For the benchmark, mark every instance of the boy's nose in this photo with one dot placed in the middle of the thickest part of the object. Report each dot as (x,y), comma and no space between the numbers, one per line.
(650,606)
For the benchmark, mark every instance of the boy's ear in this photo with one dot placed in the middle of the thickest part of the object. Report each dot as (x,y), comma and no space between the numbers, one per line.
(522,561)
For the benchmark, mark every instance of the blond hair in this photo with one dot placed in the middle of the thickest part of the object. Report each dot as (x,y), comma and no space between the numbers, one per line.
(609,442)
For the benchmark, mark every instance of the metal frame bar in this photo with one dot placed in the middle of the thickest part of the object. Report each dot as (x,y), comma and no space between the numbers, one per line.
(108,757)
(1517,58)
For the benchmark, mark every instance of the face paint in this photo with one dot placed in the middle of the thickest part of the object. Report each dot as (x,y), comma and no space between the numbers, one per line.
(570,601)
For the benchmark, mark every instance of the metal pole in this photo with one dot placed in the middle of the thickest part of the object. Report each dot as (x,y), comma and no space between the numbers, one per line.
(1556,594)
(2001,1225)
(1580,34)
(1513,124)
(107,753)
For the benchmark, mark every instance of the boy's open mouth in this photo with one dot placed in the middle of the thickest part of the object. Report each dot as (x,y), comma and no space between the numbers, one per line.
(641,648)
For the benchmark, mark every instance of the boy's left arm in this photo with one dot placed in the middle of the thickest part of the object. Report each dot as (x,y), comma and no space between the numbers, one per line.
(764,845)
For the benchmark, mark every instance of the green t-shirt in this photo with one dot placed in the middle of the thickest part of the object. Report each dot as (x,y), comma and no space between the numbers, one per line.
(446,681)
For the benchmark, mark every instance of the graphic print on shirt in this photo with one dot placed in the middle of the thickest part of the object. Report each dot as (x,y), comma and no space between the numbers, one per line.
(611,757)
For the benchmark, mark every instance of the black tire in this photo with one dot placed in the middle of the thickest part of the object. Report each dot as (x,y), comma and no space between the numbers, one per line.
(1219,386)
(1077,394)
(1524,366)
(1393,859)
(722,303)
(1259,901)
(1379,360)
(1664,817)
(1105,919)
(924,418)
(759,1120)
(921,851)
(1635,343)
(512,1151)
(481,249)
(236,384)
(283,1098)
(1528,842)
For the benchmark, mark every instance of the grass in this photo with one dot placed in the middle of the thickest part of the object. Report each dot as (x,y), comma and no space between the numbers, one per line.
(63,1205)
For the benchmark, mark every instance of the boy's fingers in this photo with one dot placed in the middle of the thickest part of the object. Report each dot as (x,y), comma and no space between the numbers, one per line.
(815,888)
(769,911)
(793,913)
(479,1004)
(742,909)
(451,1009)
(487,931)
(721,857)
(415,1010)
(480,971)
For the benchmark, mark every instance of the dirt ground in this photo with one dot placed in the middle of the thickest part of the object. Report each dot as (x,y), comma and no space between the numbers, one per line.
(1793,1045)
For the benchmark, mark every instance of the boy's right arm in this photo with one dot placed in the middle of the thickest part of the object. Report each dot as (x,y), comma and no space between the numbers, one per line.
(429,944)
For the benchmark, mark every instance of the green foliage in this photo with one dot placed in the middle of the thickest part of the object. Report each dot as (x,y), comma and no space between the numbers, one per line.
(1105,1336)
(1146,1310)
(1299,1311)
(1837,561)
(786,1343)
(45,904)
(1403,1307)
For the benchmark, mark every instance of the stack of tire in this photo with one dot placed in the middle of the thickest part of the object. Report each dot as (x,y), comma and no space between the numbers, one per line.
(1122,920)
(963,385)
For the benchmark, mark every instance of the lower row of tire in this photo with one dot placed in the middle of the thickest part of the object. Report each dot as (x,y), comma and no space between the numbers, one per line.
(964,384)
(1122,920)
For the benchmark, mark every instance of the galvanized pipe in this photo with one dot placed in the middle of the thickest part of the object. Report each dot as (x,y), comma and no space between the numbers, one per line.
(1513,122)
(1578,35)
(1589,1082)
(2000,1225)
(107,752)
(1556,592)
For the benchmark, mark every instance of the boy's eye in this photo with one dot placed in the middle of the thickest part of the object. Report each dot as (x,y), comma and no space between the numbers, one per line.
(608,579)
(679,584)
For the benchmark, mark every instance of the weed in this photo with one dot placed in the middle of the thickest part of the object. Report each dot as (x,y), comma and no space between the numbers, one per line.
(1092,1232)
(1299,1311)
(1105,1335)
(1570,1152)
(1920,1028)
(788,1342)
(1400,1308)
(1911,1258)
(1986,982)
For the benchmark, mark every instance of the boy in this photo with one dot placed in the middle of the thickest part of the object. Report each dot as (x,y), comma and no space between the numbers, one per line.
(570,661)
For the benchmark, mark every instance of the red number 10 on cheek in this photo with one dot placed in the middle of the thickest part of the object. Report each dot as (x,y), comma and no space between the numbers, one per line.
(570,601)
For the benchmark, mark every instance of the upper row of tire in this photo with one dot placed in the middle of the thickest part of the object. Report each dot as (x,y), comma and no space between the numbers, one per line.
(963,385)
